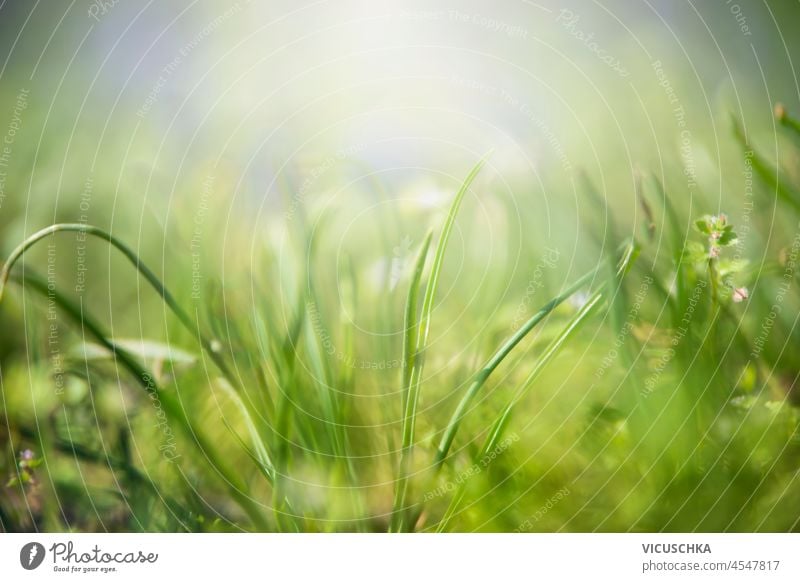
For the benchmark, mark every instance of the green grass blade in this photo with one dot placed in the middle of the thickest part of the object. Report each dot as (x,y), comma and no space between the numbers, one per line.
(452,508)
(584,313)
(770,176)
(547,356)
(259,449)
(284,416)
(482,376)
(423,330)
(786,120)
(207,344)
(498,426)
(410,350)
(410,316)
(172,408)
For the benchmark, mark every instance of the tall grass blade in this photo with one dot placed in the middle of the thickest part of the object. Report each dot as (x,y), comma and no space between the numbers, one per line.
(284,414)
(423,329)
(207,344)
(482,376)
(172,408)
(770,176)
(501,422)
(585,312)
(410,352)
(410,317)
(259,449)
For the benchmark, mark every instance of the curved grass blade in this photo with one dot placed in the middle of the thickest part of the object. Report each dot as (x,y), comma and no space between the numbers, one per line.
(171,407)
(410,348)
(585,312)
(678,242)
(547,356)
(770,176)
(499,425)
(483,375)
(410,316)
(423,330)
(206,343)
(259,450)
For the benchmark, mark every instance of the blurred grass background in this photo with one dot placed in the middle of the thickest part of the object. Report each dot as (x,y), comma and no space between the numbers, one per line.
(278,165)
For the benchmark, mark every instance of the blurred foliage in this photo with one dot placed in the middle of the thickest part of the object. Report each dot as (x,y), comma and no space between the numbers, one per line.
(675,407)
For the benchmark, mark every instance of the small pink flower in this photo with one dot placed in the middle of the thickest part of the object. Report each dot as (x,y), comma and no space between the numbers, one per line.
(740,294)
(713,252)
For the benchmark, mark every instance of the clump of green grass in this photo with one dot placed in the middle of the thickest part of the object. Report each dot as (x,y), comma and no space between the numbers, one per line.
(691,424)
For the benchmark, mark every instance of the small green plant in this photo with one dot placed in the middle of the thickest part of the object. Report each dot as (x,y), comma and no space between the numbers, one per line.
(722,272)
(28,461)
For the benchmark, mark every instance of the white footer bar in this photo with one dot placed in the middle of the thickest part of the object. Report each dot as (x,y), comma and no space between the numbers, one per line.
(354,557)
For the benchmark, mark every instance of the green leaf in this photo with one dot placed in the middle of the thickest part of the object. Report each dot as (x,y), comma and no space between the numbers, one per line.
(731,267)
(727,238)
(695,253)
(147,350)
(30,463)
(703,224)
